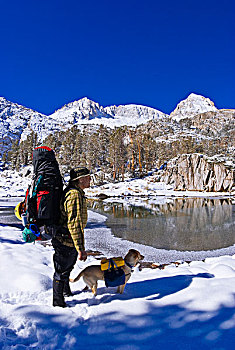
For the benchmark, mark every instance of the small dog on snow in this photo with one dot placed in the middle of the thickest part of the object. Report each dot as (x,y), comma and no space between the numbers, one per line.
(92,274)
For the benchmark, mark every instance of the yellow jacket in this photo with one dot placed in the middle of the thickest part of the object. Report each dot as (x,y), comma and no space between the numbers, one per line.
(73,218)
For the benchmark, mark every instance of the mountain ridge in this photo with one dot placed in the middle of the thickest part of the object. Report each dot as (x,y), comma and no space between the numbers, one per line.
(17,121)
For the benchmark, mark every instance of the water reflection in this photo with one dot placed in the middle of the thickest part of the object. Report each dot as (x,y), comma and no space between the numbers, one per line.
(180,224)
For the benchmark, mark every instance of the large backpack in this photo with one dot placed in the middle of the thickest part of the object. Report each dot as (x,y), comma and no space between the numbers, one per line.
(43,196)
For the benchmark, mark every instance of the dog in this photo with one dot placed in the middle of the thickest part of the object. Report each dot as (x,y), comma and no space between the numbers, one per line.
(92,274)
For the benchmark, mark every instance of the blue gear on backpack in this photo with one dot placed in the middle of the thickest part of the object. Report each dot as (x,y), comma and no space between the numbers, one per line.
(31,233)
(114,276)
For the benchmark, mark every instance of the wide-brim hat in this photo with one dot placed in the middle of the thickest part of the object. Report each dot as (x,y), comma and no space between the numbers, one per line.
(77,173)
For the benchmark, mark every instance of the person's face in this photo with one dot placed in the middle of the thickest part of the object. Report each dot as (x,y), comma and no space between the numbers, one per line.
(84,182)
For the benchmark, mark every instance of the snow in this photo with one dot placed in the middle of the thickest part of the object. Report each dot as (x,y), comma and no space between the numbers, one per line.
(186,307)
(14,118)
(14,183)
(86,112)
(18,122)
(189,305)
(194,104)
(147,187)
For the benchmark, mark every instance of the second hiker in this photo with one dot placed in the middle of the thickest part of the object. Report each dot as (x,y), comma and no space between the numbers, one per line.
(69,241)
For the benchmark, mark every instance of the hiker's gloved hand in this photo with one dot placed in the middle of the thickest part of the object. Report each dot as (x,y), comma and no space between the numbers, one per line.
(82,255)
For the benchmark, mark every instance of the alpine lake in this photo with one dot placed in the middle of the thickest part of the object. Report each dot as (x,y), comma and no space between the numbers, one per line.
(183,224)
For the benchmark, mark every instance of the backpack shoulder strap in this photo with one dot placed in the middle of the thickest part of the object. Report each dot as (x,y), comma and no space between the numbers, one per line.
(35,185)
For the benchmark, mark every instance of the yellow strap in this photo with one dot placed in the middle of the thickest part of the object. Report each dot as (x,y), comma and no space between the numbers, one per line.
(105,263)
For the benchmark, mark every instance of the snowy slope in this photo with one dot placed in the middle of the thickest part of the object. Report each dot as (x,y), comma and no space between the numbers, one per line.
(14,119)
(191,106)
(42,125)
(178,308)
(133,114)
(83,109)
(87,112)
(18,121)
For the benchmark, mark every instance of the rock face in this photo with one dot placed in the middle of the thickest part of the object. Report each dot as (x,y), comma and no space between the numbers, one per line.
(195,172)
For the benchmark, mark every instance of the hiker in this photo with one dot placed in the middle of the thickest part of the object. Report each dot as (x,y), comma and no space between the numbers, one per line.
(69,241)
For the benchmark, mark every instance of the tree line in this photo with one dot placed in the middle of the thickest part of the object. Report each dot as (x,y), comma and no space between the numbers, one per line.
(117,153)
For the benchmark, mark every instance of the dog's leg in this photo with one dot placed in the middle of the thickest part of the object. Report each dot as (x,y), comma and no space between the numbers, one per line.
(91,284)
(88,283)
(94,289)
(121,288)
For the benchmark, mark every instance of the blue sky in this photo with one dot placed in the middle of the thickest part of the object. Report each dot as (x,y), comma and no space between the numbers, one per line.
(147,52)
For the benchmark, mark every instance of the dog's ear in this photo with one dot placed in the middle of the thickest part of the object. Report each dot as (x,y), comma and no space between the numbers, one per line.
(139,256)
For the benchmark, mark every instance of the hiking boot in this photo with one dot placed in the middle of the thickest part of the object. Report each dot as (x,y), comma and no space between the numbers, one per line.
(67,291)
(59,303)
(58,298)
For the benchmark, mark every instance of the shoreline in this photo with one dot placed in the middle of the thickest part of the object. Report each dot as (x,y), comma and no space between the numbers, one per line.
(101,238)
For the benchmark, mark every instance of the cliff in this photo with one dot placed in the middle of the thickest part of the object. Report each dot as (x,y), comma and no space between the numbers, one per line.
(196,172)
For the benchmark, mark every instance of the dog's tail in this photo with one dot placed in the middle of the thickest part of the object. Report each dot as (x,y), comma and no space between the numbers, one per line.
(76,278)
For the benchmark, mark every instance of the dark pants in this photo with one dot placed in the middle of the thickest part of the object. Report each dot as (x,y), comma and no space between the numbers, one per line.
(64,260)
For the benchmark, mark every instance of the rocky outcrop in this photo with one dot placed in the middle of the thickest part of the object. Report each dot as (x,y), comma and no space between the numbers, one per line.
(196,172)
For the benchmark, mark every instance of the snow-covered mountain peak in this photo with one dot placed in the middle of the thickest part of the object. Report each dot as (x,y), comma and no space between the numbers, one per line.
(88,111)
(79,110)
(194,104)
(83,102)
(14,119)
(18,122)
(133,114)
(4,102)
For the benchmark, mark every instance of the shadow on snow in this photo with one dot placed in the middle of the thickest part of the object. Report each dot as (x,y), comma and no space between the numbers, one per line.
(150,289)
(11,241)
(169,327)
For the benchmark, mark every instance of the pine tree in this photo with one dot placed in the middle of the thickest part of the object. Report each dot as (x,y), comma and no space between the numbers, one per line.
(13,154)
(117,156)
